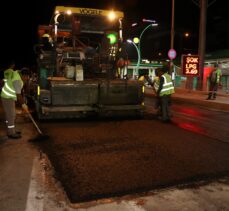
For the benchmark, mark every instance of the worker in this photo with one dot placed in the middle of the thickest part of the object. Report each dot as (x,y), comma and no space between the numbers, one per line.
(164,92)
(10,93)
(141,78)
(47,41)
(215,78)
(144,77)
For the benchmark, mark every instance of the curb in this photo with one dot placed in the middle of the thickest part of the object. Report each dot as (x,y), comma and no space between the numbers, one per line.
(205,93)
(220,106)
(204,103)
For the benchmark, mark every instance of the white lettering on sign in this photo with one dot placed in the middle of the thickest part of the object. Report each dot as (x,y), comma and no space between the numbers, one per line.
(90,12)
(192,60)
(190,65)
(191,69)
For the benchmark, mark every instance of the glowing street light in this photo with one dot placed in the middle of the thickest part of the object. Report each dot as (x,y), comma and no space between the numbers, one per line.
(148,20)
(134,24)
(136,40)
(143,31)
(186,34)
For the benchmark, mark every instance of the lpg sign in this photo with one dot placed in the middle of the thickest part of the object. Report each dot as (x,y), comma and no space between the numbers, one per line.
(191,65)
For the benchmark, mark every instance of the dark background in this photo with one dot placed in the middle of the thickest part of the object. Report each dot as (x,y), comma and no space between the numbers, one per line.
(19,22)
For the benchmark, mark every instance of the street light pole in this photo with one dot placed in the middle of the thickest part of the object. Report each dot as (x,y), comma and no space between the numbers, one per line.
(140,37)
(203,4)
(138,52)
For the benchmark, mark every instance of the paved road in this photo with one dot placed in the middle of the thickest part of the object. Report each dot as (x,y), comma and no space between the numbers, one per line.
(22,189)
(211,123)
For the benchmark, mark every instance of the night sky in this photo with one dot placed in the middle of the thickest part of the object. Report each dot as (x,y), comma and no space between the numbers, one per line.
(19,25)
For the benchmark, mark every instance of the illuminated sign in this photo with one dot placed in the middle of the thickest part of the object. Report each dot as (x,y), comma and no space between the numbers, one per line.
(87,11)
(191,65)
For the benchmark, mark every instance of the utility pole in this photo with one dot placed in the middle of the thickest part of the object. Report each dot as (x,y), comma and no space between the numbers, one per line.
(202,40)
(203,4)
(172,25)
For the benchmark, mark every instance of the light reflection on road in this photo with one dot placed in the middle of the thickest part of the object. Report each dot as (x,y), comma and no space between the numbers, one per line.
(192,127)
(198,120)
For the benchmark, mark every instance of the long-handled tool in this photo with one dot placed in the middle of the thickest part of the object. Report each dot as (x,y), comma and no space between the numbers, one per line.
(41,136)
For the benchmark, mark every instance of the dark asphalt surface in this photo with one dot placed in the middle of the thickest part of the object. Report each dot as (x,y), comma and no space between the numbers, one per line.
(106,151)
(97,159)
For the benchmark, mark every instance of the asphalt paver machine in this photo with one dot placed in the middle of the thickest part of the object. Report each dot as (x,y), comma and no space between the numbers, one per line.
(77,66)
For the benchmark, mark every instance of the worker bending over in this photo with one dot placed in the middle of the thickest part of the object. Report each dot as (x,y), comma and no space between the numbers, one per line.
(11,92)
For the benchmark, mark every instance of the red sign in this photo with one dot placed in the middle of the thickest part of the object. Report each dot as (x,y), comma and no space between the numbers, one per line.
(172,54)
(191,65)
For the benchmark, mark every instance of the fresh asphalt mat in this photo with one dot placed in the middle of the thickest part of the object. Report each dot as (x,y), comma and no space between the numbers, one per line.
(95,160)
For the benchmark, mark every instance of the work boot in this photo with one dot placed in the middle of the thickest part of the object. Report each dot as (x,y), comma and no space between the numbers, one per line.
(166,121)
(209,96)
(14,136)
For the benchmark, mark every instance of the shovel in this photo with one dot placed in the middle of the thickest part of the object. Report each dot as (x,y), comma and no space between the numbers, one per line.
(41,136)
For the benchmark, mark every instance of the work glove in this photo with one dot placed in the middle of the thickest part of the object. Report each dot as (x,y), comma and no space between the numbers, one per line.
(25,107)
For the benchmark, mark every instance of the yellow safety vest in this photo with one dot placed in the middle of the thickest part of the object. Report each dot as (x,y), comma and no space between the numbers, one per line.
(8,90)
(167,88)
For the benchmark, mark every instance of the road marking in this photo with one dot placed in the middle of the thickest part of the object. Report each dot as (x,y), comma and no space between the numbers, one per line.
(35,197)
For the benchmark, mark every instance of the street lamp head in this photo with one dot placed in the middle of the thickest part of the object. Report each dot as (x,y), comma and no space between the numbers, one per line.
(154,24)
(186,34)
(148,20)
(136,40)
(134,24)
(129,41)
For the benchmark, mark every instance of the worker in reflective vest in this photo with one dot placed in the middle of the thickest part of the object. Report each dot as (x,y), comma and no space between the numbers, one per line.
(11,92)
(215,81)
(165,90)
